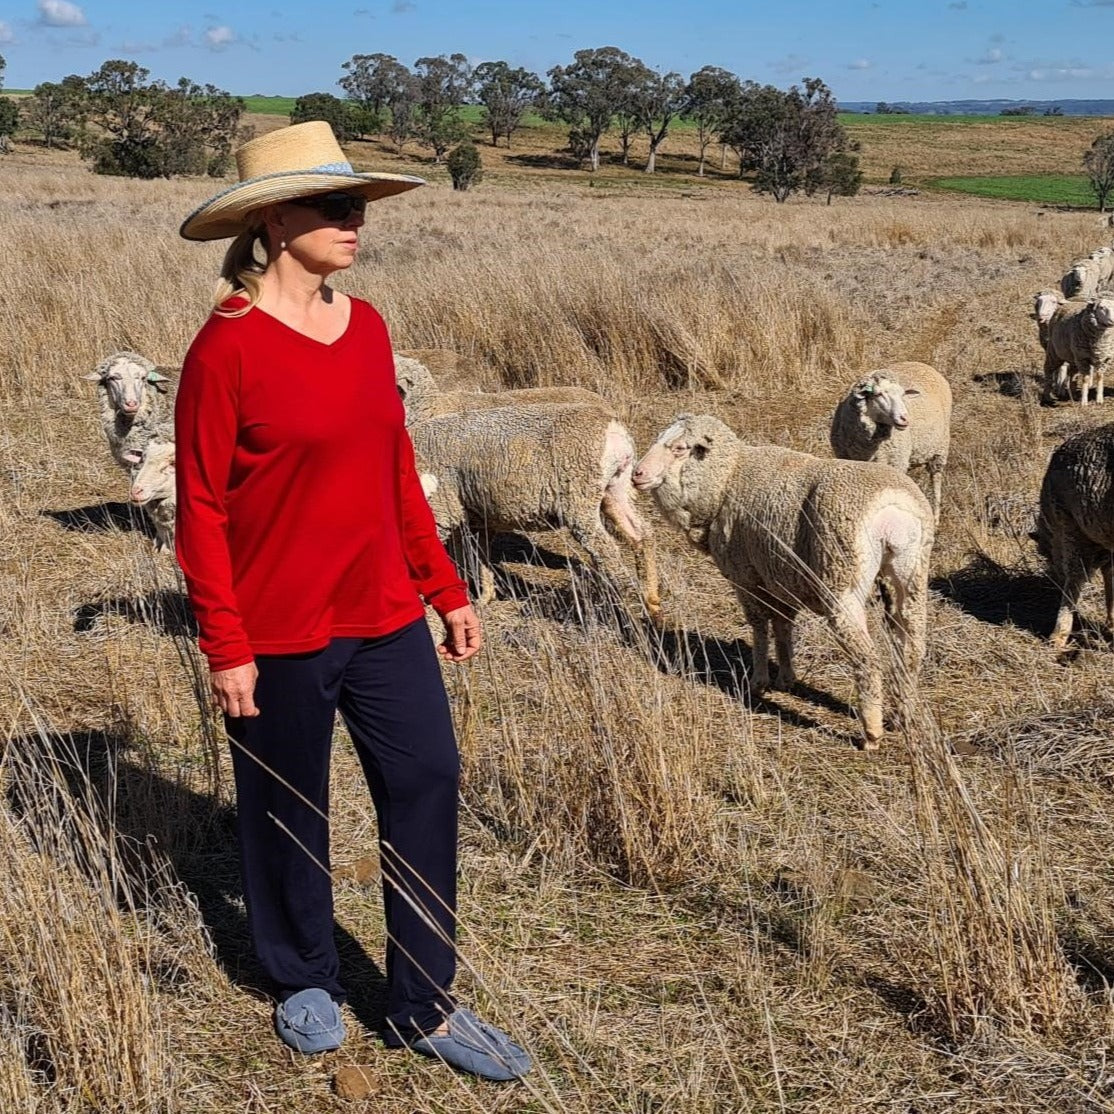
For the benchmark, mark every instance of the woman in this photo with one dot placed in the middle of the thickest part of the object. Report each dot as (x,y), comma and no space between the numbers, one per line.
(308,547)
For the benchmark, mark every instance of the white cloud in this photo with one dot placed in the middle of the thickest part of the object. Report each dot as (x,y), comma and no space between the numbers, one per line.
(1062,73)
(217,38)
(990,57)
(860,64)
(6,33)
(183,36)
(61,13)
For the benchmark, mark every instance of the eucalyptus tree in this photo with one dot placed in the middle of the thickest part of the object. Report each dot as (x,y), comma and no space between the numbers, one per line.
(506,95)
(588,93)
(710,98)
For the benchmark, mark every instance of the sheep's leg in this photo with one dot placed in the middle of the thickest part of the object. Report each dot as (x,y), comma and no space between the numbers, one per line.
(1054,378)
(616,505)
(1088,383)
(783,641)
(1108,591)
(1100,383)
(604,554)
(848,623)
(907,620)
(937,493)
(1072,574)
(759,620)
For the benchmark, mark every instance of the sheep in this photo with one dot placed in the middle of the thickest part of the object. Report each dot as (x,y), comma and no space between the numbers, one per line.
(423,399)
(899,416)
(130,389)
(1104,257)
(792,531)
(1075,524)
(1081,280)
(153,490)
(1080,339)
(539,467)
(1045,304)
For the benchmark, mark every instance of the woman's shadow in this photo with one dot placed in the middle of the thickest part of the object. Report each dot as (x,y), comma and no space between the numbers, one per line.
(103,774)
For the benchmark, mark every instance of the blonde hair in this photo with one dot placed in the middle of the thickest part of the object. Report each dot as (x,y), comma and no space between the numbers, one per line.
(241,273)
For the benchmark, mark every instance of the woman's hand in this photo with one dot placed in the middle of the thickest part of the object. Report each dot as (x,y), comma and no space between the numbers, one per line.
(463,637)
(234,690)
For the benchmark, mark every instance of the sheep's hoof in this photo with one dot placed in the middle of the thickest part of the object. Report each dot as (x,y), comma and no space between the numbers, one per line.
(871,742)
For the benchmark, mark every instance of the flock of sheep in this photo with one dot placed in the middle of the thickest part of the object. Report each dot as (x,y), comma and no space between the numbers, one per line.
(788,530)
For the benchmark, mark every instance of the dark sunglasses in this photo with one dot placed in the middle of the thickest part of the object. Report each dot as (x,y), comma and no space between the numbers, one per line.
(333,206)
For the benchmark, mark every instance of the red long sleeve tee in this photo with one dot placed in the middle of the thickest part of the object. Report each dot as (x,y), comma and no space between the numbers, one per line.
(300,516)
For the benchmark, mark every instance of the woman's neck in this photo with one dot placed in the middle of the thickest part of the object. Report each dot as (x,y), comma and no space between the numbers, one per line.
(288,284)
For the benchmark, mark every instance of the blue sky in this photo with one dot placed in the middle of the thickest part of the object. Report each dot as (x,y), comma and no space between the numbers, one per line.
(864,49)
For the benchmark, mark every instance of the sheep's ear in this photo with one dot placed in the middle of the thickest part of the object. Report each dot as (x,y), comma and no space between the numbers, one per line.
(866,389)
(156,376)
(132,456)
(93,377)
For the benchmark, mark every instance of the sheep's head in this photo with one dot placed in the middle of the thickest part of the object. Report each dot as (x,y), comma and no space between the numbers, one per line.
(126,376)
(687,469)
(1102,309)
(155,477)
(1045,304)
(1075,279)
(882,399)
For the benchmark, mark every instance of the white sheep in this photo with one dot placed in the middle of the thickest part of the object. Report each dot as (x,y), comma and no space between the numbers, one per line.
(1075,526)
(423,398)
(1082,278)
(539,467)
(791,532)
(153,490)
(1045,304)
(1104,256)
(1080,340)
(129,390)
(901,416)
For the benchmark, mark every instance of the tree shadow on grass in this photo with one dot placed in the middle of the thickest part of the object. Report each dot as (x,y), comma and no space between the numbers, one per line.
(148,817)
(99,518)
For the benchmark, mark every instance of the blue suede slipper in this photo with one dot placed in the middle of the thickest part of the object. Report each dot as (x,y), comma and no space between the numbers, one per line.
(473,1046)
(310,1021)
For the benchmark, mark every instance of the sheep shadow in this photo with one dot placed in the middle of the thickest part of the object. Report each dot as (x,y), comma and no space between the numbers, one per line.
(1002,596)
(726,664)
(166,610)
(100,518)
(1010,383)
(153,821)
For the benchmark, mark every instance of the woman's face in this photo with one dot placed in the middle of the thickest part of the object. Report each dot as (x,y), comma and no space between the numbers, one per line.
(315,234)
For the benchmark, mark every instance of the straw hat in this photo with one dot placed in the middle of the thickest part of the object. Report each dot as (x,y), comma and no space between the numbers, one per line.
(297,161)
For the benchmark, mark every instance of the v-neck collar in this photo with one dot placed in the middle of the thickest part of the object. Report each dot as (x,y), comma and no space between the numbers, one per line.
(305,336)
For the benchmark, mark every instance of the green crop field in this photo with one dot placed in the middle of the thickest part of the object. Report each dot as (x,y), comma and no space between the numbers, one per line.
(271,106)
(1047,189)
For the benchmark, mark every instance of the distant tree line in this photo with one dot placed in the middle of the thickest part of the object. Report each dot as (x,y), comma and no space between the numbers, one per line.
(788,141)
(126,124)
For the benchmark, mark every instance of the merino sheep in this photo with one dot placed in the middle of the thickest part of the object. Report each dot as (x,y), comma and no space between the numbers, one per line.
(792,531)
(1080,340)
(153,490)
(130,389)
(1104,256)
(1082,278)
(423,399)
(899,416)
(539,467)
(1075,526)
(1045,304)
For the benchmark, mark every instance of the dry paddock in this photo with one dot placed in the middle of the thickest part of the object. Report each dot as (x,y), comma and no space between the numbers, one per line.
(680,899)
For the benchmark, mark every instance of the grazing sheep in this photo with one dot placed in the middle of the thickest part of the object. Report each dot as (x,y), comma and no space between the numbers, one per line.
(1105,258)
(423,399)
(1080,340)
(539,467)
(1075,526)
(153,490)
(130,390)
(900,416)
(1081,280)
(792,531)
(1045,304)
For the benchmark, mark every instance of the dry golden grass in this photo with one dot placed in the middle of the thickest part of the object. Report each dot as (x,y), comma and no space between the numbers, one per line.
(682,900)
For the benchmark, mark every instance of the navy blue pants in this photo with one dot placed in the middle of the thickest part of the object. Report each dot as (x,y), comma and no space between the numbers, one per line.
(390,693)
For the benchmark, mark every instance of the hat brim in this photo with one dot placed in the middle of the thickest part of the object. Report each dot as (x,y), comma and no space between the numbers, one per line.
(225,214)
